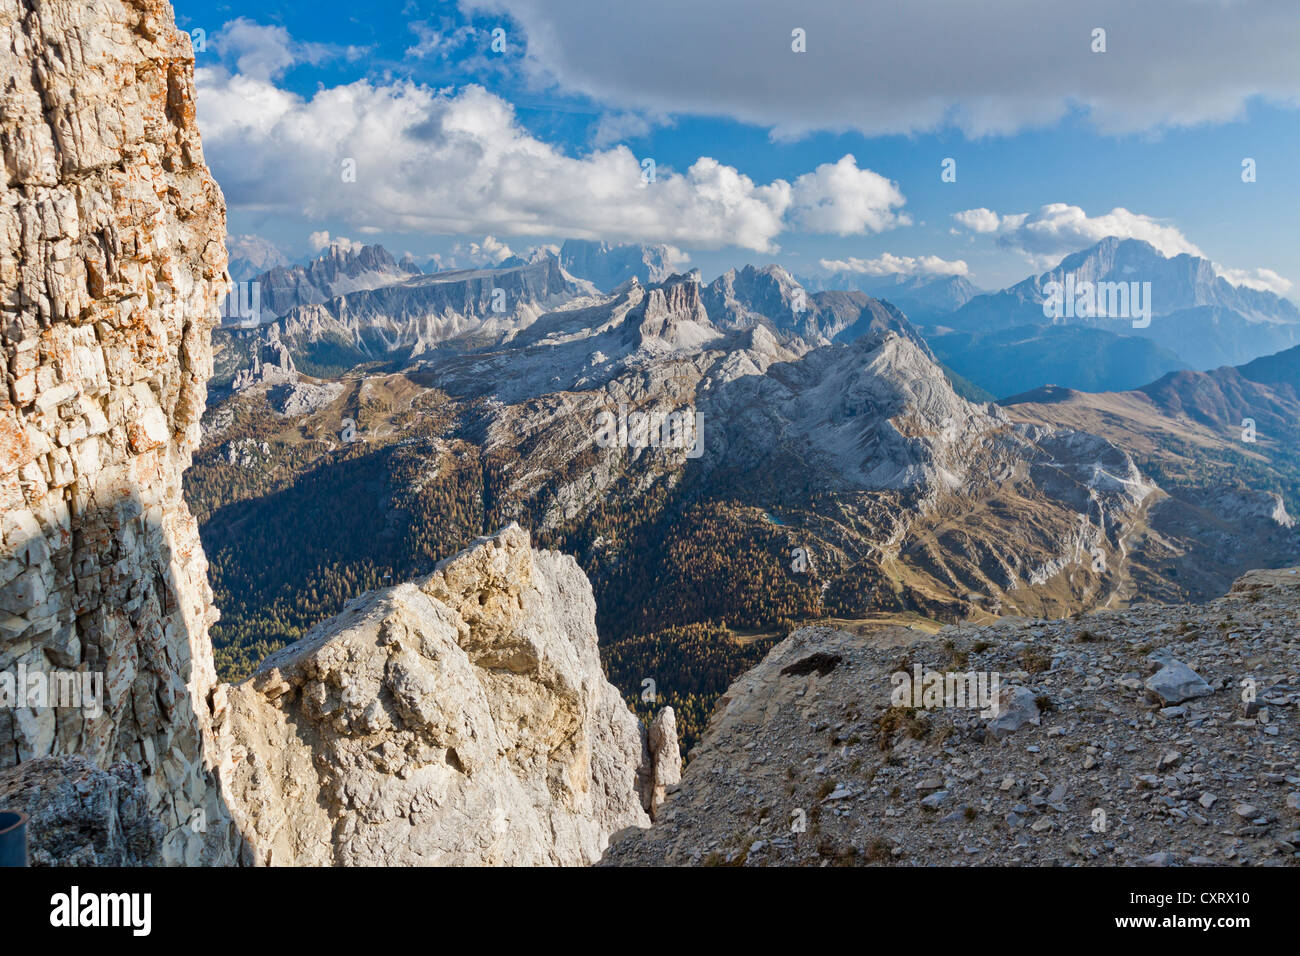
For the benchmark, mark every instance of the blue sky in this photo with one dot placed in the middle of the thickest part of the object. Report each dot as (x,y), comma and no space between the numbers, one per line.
(1056,143)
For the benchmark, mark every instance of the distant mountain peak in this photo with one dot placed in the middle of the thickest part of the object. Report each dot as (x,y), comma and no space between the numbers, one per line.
(672,315)
(921,297)
(338,269)
(251,255)
(608,265)
(1178,282)
(1189,311)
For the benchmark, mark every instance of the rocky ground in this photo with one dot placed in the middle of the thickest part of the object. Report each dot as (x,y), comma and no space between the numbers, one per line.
(1123,738)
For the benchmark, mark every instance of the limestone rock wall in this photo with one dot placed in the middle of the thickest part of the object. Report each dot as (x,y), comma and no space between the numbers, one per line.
(460,719)
(112,264)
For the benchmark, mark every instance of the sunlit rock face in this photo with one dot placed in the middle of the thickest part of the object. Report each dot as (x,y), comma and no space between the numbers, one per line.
(112,265)
(459,719)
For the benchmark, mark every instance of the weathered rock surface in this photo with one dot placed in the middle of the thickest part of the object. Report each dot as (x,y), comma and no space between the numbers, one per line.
(270,363)
(809,761)
(82,815)
(460,719)
(111,269)
(661,766)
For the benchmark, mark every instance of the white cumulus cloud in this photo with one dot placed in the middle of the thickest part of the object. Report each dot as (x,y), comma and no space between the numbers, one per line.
(842,199)
(1261,280)
(265,52)
(889,264)
(488,252)
(403,157)
(1059,228)
(321,240)
(978,220)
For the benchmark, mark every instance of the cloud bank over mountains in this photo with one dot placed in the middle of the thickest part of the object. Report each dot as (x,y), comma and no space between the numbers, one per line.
(384,155)
(892,265)
(1058,228)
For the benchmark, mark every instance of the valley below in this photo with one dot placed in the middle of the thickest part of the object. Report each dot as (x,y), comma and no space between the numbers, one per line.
(841,475)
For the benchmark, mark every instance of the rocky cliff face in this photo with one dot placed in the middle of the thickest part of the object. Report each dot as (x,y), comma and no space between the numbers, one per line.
(111,268)
(770,296)
(270,363)
(1158,735)
(460,719)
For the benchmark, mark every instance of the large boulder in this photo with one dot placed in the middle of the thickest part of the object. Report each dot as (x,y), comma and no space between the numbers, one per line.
(459,719)
(1175,682)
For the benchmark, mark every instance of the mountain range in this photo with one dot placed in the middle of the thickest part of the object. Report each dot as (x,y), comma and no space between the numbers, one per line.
(1196,320)
(336,272)
(992,344)
(840,473)
(922,297)
(408,317)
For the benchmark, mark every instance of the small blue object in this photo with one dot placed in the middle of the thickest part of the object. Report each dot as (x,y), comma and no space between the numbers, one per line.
(13,838)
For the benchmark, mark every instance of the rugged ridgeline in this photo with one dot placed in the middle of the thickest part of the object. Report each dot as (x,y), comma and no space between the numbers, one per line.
(388,315)
(459,719)
(336,271)
(1162,734)
(111,268)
